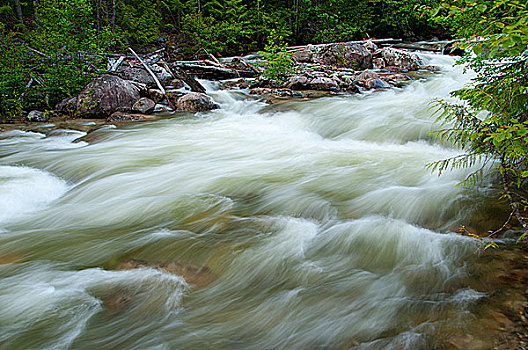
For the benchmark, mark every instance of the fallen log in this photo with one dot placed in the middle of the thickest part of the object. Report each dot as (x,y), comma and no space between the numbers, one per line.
(186,78)
(117,63)
(303,47)
(415,47)
(214,72)
(153,77)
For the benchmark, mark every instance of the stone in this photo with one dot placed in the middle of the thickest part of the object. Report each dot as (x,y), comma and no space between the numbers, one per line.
(119,117)
(369,45)
(378,63)
(155,95)
(196,277)
(140,74)
(36,116)
(298,82)
(160,108)
(349,55)
(176,83)
(323,83)
(144,105)
(67,106)
(303,56)
(367,74)
(401,59)
(195,102)
(106,95)
(377,84)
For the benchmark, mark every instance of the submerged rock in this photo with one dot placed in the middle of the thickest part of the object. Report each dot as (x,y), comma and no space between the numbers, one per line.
(195,102)
(119,117)
(196,277)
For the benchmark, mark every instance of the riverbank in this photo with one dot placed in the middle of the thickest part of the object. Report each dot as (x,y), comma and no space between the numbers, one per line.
(136,88)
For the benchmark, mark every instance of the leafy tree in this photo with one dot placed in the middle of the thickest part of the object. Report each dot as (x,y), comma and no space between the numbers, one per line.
(491,121)
(277,62)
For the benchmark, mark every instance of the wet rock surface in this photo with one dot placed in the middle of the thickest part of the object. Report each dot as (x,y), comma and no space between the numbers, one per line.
(196,277)
(144,105)
(195,102)
(36,116)
(102,97)
(119,117)
(349,55)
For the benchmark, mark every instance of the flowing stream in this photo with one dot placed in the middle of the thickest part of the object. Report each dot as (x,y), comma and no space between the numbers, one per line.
(300,225)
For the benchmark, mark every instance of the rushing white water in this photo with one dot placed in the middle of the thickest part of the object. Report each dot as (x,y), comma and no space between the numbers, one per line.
(305,225)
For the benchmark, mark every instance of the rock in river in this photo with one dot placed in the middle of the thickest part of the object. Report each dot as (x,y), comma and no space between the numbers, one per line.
(102,97)
(144,105)
(195,102)
(349,55)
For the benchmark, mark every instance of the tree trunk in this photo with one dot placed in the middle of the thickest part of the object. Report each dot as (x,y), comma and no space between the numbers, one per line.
(113,15)
(35,8)
(18,8)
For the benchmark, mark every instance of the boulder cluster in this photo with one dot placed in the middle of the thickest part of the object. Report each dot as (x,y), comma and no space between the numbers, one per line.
(130,92)
(338,67)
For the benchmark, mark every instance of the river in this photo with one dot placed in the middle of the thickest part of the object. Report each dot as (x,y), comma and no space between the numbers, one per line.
(300,225)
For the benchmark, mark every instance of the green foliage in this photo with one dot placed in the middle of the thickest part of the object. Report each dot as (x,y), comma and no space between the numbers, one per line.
(140,20)
(277,62)
(42,66)
(14,73)
(492,119)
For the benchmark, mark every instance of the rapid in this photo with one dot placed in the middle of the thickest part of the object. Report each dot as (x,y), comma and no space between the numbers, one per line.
(299,225)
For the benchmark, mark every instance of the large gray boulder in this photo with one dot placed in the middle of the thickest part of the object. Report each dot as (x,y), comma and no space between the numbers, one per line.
(401,59)
(324,83)
(102,97)
(195,102)
(298,82)
(349,55)
(140,75)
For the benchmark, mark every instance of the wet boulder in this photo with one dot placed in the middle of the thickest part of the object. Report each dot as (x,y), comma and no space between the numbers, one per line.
(378,63)
(369,45)
(367,74)
(36,116)
(144,105)
(160,108)
(374,83)
(401,59)
(298,82)
(195,102)
(120,117)
(155,94)
(103,96)
(324,83)
(349,55)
